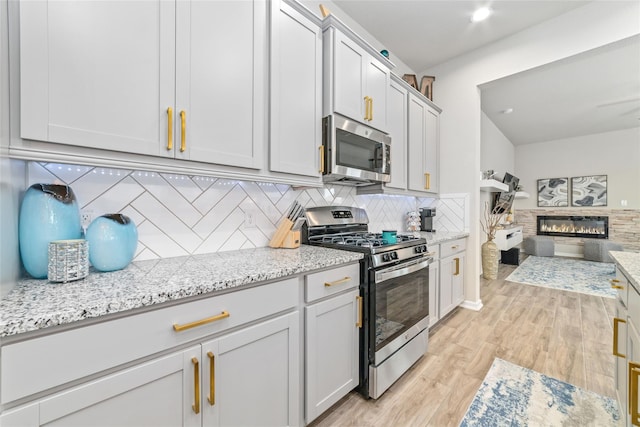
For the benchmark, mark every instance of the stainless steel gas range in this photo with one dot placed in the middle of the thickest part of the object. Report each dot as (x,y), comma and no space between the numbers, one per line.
(395,288)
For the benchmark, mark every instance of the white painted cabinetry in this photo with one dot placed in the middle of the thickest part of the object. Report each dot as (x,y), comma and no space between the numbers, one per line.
(434,285)
(424,146)
(452,261)
(333,318)
(397,123)
(356,81)
(159,78)
(296,92)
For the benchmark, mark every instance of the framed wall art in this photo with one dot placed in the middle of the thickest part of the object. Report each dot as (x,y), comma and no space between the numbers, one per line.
(589,190)
(553,192)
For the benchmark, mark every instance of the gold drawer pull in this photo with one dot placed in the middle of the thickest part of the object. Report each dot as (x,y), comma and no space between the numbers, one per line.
(634,375)
(617,287)
(359,322)
(212,379)
(196,384)
(616,322)
(457,260)
(337,282)
(613,284)
(200,322)
(454,247)
(427,181)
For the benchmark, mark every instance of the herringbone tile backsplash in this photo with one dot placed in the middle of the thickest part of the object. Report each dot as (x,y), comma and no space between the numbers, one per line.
(181,215)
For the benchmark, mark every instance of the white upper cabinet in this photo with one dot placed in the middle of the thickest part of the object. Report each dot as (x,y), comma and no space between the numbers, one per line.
(296,92)
(97,73)
(220,81)
(397,120)
(173,79)
(356,80)
(424,142)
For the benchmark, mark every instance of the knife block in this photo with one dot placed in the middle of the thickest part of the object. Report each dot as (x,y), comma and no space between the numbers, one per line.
(291,240)
(282,233)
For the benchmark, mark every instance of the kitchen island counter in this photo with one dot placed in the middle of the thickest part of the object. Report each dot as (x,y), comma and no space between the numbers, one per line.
(629,263)
(37,304)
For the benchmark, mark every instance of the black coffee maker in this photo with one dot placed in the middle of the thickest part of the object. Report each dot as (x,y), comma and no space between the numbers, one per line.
(426,219)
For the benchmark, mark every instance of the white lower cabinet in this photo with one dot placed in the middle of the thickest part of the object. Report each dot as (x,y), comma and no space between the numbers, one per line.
(434,286)
(452,263)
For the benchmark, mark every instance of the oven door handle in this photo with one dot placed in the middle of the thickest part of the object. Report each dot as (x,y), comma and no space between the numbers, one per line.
(402,270)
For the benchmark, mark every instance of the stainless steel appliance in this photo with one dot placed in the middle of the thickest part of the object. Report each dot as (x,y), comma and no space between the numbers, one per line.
(353,153)
(395,290)
(426,219)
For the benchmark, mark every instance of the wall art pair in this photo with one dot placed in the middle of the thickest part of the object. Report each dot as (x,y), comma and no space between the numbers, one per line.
(586,191)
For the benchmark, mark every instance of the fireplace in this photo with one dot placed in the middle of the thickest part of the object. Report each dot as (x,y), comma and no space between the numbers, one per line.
(595,227)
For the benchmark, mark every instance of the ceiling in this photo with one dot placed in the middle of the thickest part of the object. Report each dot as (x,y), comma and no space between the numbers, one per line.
(594,92)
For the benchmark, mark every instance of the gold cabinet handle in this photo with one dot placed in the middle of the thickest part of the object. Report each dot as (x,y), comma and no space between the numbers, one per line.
(337,282)
(183,131)
(200,322)
(454,247)
(457,260)
(212,379)
(366,107)
(427,181)
(616,322)
(359,322)
(613,284)
(169,128)
(370,109)
(321,148)
(196,384)
(634,375)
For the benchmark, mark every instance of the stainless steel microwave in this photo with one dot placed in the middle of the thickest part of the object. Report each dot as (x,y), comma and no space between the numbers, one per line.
(353,153)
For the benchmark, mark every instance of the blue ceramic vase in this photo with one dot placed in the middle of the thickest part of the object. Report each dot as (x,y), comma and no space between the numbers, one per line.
(113,239)
(48,212)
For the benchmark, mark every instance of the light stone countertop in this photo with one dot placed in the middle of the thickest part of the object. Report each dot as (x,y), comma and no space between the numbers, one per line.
(437,237)
(629,263)
(37,304)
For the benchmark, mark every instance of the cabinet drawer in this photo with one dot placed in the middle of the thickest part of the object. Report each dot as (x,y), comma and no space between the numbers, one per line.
(41,363)
(329,282)
(452,247)
(625,288)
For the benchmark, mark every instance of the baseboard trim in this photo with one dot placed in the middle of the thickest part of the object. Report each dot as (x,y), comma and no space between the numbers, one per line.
(472,305)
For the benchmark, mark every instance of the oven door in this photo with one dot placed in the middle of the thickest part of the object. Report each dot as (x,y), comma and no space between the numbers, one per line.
(400,304)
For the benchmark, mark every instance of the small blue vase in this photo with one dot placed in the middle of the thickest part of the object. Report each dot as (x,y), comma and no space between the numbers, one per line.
(113,239)
(48,212)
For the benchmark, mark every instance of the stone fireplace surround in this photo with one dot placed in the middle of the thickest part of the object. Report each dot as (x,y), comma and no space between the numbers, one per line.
(624,226)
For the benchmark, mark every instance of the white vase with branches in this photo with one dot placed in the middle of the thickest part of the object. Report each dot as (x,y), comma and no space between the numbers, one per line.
(490,221)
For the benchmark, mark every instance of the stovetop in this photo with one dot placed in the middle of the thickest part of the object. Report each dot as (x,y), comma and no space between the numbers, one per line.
(372,242)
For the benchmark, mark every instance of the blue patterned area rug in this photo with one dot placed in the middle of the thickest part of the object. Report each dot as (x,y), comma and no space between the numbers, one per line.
(567,274)
(511,395)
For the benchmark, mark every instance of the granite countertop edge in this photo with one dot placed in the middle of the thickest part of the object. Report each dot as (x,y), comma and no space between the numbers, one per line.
(437,237)
(34,304)
(629,263)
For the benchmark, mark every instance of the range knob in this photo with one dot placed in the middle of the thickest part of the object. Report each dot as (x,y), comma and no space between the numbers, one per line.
(419,249)
(394,255)
(386,258)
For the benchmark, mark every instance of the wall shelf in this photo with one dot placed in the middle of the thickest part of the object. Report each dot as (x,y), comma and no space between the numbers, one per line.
(491,185)
(522,195)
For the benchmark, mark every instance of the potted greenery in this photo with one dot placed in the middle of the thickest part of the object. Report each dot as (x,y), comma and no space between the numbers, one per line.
(490,222)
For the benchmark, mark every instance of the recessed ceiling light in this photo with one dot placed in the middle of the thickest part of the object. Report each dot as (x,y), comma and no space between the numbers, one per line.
(480,14)
(507,111)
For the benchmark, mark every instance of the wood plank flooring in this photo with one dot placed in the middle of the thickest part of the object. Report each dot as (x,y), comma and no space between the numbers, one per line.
(562,334)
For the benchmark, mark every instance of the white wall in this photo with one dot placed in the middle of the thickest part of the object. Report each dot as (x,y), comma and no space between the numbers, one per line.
(496,151)
(615,154)
(582,29)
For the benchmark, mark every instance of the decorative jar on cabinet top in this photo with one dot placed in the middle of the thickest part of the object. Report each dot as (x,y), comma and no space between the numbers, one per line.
(48,212)
(113,239)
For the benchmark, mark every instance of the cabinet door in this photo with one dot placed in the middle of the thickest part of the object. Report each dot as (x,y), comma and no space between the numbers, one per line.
(423,146)
(434,293)
(331,351)
(415,134)
(97,74)
(251,377)
(633,373)
(447,270)
(150,394)
(458,279)
(349,77)
(296,92)
(377,88)
(221,81)
(432,149)
(397,123)
(620,325)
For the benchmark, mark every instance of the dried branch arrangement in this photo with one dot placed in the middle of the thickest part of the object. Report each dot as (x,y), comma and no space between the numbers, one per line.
(492,218)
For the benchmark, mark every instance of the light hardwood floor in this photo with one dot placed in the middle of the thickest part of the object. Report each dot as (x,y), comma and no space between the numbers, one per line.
(562,334)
